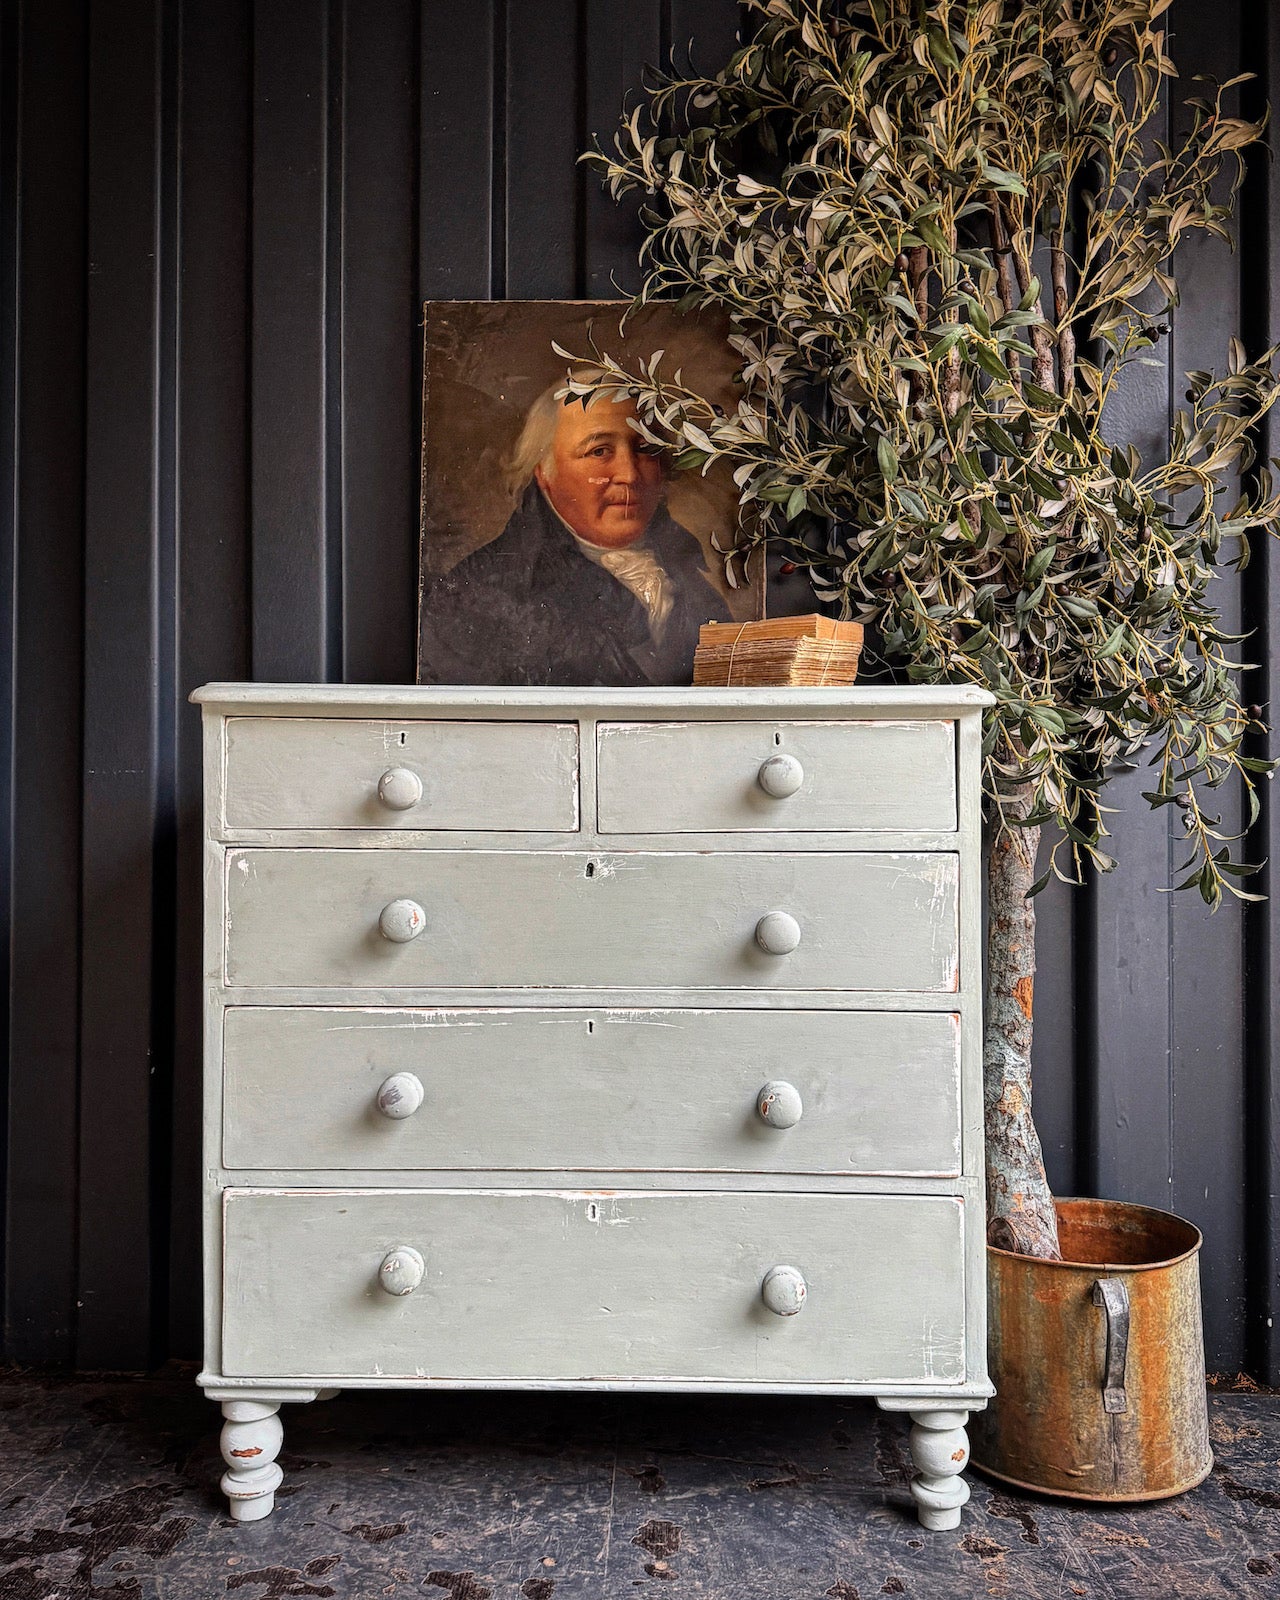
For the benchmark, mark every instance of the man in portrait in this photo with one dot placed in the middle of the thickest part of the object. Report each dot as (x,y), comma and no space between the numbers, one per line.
(591,581)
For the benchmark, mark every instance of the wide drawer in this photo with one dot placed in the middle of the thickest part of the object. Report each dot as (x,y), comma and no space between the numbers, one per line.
(689,777)
(325,772)
(594,1286)
(505,919)
(591,1090)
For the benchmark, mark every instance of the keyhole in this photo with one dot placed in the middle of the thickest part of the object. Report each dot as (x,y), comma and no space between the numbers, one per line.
(591,869)
(593,1212)
(403,738)
(777,738)
(591,1027)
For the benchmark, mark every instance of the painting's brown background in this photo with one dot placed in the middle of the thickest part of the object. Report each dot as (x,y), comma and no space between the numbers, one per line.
(484,364)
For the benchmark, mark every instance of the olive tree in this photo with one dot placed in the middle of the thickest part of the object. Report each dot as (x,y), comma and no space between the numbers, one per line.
(942,231)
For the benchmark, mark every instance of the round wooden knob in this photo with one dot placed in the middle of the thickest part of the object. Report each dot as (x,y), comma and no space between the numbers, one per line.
(778,932)
(400,1095)
(401,921)
(784,1291)
(400,789)
(779,1104)
(402,1270)
(780,776)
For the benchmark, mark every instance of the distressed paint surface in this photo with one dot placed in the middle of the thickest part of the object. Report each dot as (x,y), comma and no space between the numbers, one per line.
(604,919)
(291,772)
(557,1287)
(595,1089)
(691,777)
(594,1284)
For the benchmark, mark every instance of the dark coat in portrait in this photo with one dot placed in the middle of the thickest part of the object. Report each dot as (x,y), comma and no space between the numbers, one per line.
(531,608)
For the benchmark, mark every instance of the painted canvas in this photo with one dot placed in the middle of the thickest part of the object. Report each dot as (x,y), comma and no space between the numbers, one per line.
(558,547)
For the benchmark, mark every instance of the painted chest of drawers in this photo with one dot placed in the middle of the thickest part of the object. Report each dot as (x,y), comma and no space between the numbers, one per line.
(589,1039)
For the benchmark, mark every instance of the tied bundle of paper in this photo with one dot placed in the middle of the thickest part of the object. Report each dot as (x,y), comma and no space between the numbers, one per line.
(782,651)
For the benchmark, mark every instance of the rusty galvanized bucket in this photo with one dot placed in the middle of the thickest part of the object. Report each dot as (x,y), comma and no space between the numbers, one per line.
(1098,1359)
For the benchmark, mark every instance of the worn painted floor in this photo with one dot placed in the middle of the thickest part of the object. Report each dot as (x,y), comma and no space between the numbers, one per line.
(109,1488)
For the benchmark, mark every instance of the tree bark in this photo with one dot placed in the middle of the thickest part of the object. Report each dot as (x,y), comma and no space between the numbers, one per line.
(1020,1214)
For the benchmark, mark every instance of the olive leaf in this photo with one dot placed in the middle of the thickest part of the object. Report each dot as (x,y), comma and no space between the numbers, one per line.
(864,189)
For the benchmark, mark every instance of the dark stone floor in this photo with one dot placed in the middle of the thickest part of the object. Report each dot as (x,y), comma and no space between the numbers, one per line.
(108,1487)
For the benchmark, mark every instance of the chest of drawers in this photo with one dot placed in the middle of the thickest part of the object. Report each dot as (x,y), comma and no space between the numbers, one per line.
(589,1039)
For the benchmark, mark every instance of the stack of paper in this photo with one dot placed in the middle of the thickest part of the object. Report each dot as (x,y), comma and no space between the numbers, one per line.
(784,650)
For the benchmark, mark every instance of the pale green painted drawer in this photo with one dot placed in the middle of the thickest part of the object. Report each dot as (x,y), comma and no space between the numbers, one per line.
(585,1286)
(613,920)
(591,1090)
(717,777)
(325,772)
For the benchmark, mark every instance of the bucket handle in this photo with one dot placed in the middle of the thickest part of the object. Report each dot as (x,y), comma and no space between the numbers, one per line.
(1112,1295)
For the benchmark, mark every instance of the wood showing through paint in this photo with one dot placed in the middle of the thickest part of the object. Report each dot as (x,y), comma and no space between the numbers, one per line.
(667,1001)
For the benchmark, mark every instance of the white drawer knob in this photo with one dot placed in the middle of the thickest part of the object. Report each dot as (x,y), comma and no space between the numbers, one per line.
(780,776)
(401,921)
(400,789)
(400,1095)
(402,1270)
(778,932)
(779,1104)
(784,1291)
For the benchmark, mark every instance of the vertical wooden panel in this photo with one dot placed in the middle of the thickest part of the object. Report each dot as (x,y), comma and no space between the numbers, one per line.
(622,38)
(44,978)
(1260,304)
(10,76)
(123,673)
(381,367)
(1128,1047)
(1207,971)
(213,581)
(542,183)
(1054,1063)
(455,252)
(296,611)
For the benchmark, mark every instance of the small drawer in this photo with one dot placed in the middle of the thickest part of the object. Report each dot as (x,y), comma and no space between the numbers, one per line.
(580,1287)
(325,772)
(592,1090)
(496,919)
(776,777)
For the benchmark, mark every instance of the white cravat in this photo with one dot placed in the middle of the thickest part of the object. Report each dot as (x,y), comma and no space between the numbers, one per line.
(638,570)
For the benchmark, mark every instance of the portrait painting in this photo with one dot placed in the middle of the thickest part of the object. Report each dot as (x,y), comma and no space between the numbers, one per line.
(558,545)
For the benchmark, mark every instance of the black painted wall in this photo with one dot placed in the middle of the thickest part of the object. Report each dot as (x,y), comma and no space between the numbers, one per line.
(219,219)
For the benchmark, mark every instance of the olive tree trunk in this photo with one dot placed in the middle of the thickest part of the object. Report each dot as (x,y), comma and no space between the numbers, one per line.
(1020,1214)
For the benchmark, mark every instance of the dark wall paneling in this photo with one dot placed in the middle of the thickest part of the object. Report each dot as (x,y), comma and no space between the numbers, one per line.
(1207,1103)
(213,591)
(48,194)
(294,409)
(457,138)
(124,679)
(220,220)
(1260,281)
(381,369)
(622,37)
